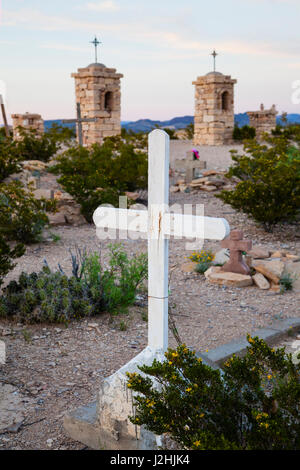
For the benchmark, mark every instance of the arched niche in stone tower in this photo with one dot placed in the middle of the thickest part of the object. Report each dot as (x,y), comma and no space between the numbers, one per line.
(225,101)
(108,101)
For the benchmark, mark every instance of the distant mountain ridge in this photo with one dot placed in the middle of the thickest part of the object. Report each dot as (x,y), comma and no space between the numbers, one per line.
(146,125)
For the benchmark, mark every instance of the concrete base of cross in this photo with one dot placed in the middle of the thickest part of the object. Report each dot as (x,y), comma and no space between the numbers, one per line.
(104,424)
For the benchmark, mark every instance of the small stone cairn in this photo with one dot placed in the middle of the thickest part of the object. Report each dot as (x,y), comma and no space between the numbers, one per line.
(209,181)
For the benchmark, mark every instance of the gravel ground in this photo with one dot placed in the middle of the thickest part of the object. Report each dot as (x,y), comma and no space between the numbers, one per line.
(51,369)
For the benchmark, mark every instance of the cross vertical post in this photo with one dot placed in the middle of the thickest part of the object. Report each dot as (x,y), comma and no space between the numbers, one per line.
(159,224)
(79,124)
(79,120)
(214,54)
(158,244)
(96,44)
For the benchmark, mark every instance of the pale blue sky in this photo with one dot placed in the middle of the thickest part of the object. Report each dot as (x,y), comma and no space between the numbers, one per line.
(160,46)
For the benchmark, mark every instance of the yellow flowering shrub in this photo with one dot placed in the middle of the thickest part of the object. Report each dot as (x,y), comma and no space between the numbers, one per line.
(204,259)
(252,404)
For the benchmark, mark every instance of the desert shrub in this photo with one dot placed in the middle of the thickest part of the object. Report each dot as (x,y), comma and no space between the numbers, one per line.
(269,187)
(32,146)
(252,405)
(189,131)
(7,255)
(3,136)
(9,159)
(202,267)
(60,134)
(204,260)
(22,217)
(50,296)
(243,133)
(286,282)
(36,147)
(120,284)
(100,174)
(47,297)
(203,256)
(290,131)
(171,133)
(138,139)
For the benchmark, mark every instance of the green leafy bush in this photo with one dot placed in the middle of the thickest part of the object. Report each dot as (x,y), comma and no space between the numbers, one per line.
(286,282)
(9,159)
(269,187)
(202,267)
(138,139)
(290,131)
(189,131)
(7,254)
(243,133)
(252,405)
(100,174)
(22,217)
(120,284)
(171,133)
(60,134)
(54,297)
(35,147)
(3,136)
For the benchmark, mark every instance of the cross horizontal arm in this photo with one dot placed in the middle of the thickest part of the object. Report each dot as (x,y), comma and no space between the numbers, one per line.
(177,225)
(65,121)
(190,164)
(121,219)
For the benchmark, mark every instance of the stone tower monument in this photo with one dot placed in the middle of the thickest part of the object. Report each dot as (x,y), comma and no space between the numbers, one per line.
(98,91)
(28,121)
(214,108)
(264,120)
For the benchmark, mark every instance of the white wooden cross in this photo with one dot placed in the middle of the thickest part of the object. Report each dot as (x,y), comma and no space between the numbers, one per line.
(159,225)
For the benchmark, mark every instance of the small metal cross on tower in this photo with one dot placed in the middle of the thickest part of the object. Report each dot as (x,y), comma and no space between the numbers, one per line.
(96,44)
(79,122)
(214,54)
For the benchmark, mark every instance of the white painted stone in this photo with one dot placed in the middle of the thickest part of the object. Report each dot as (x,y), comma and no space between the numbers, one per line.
(221,257)
(115,402)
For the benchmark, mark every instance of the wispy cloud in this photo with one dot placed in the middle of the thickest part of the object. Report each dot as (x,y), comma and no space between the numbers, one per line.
(108,5)
(173,41)
(64,47)
(295,65)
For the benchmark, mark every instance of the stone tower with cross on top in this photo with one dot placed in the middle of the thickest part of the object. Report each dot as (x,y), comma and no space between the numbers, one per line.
(98,91)
(214,108)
